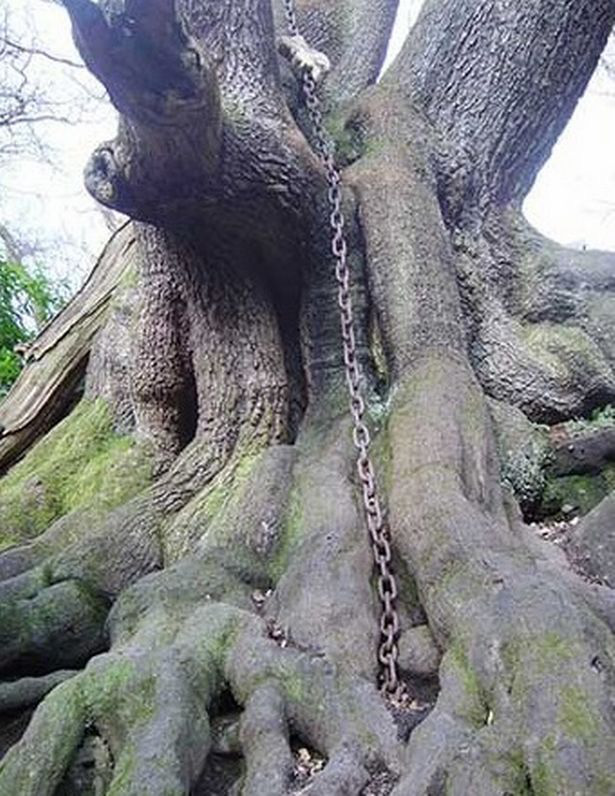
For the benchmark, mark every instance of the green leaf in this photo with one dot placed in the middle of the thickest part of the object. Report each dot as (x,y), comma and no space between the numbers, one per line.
(28,299)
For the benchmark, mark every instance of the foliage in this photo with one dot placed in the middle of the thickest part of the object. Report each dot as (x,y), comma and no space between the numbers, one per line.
(28,298)
(604,417)
(524,472)
(581,493)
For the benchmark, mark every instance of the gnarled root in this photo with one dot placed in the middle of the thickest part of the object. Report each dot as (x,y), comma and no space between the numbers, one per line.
(525,677)
(538,318)
(527,657)
(149,698)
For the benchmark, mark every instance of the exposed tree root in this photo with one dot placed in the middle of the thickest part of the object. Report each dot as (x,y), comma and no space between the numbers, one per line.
(522,701)
(591,543)
(520,697)
(19,694)
(148,700)
(61,625)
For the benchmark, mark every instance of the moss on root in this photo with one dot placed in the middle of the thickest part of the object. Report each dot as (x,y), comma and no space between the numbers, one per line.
(219,504)
(291,535)
(58,728)
(581,492)
(556,348)
(228,488)
(576,717)
(120,687)
(546,782)
(471,698)
(81,463)
(349,144)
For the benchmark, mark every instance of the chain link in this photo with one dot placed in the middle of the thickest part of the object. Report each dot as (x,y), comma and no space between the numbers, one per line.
(378,529)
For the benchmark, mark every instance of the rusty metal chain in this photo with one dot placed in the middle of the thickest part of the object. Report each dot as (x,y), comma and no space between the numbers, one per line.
(378,530)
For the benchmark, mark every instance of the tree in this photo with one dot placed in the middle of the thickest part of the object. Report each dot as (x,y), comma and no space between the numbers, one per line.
(43,94)
(27,301)
(192,527)
(27,96)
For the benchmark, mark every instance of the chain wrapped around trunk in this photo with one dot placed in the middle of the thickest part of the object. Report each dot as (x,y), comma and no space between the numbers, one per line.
(378,529)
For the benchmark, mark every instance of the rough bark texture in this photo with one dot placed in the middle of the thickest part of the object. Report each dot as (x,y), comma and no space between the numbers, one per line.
(186,586)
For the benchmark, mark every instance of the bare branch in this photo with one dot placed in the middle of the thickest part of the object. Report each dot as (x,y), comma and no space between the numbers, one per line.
(11,121)
(13,45)
(29,96)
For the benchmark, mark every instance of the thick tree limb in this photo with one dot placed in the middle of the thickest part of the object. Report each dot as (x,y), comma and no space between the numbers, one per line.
(410,260)
(551,282)
(500,81)
(164,84)
(238,35)
(205,138)
(56,360)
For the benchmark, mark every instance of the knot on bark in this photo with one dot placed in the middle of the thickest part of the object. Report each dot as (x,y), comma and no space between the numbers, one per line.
(104,179)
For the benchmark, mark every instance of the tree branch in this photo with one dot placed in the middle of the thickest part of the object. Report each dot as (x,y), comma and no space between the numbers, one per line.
(557,271)
(13,45)
(499,81)
(540,318)
(165,86)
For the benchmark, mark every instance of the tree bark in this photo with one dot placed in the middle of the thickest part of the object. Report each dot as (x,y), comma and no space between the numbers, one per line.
(500,83)
(212,627)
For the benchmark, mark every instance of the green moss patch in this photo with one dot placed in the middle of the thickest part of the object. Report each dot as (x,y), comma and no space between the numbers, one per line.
(292,534)
(471,700)
(81,464)
(555,346)
(120,688)
(601,418)
(576,716)
(581,492)
(348,138)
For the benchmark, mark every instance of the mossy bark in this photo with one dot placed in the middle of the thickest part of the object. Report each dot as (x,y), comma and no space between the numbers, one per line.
(189,587)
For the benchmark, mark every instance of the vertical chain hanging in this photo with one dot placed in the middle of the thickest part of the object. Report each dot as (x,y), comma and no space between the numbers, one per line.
(378,530)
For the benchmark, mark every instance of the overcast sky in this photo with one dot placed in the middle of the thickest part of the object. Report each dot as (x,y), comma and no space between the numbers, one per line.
(573,200)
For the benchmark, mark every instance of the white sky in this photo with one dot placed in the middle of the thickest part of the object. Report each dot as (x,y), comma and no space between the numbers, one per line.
(573,200)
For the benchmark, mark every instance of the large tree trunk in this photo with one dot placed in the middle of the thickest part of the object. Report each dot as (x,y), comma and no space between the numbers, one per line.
(187,583)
